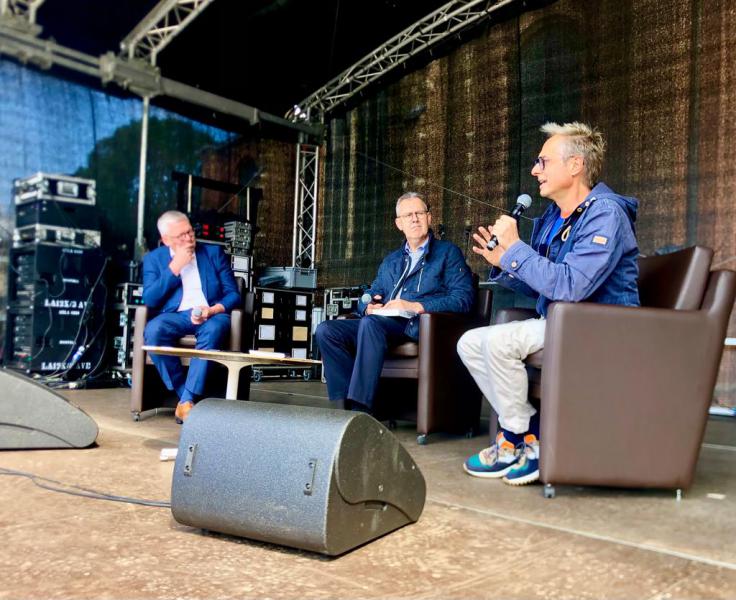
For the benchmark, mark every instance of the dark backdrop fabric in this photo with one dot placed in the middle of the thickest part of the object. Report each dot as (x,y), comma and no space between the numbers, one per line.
(658,78)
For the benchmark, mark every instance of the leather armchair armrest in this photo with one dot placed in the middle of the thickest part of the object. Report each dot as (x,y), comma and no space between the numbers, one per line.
(629,340)
(438,336)
(445,326)
(139,360)
(236,330)
(141,318)
(447,397)
(507,315)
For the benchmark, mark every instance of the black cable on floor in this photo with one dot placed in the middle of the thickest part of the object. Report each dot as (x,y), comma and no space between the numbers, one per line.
(75,490)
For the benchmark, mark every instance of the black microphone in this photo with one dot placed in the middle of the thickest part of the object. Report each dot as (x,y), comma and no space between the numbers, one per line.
(522,203)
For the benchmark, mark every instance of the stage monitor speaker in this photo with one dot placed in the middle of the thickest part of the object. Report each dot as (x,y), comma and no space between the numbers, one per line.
(32,416)
(312,478)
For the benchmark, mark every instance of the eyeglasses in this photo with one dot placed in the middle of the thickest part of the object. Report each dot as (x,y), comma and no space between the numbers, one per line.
(417,214)
(184,236)
(540,162)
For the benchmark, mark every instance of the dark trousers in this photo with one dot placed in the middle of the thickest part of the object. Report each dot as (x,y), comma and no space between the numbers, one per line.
(353,351)
(165,330)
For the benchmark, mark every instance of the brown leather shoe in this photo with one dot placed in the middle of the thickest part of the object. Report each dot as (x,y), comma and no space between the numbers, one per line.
(182,411)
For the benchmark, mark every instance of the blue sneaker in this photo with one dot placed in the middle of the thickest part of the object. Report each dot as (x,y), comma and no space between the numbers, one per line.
(526,470)
(493,462)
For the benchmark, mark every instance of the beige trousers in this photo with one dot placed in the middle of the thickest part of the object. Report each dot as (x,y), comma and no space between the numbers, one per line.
(494,356)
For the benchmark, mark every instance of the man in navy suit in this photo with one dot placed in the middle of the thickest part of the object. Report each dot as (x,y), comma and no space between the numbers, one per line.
(193,290)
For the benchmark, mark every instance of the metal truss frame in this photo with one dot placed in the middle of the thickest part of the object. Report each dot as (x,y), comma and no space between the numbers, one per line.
(21,8)
(159,27)
(305,205)
(137,76)
(448,20)
(19,38)
(21,14)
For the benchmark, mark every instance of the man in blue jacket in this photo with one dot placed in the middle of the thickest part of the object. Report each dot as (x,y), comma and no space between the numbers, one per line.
(193,290)
(424,275)
(583,249)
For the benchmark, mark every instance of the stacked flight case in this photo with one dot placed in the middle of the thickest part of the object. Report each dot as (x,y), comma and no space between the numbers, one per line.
(56,292)
(342,301)
(56,209)
(283,323)
(54,309)
(128,296)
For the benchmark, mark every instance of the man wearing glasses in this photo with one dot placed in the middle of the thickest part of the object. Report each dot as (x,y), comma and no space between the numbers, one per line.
(583,249)
(193,290)
(424,275)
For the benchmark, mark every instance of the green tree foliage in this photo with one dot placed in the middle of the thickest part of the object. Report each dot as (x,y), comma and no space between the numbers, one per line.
(173,145)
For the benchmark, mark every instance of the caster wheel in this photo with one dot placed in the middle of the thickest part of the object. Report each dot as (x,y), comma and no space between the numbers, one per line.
(307,375)
(292,374)
(422,439)
(549,490)
(257,376)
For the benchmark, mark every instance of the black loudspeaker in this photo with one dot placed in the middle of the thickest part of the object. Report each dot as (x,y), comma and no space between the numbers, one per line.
(313,478)
(32,416)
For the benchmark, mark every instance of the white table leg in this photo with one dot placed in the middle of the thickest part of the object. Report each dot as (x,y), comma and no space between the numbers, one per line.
(233,376)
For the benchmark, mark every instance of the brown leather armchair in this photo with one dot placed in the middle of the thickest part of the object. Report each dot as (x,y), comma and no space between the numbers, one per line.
(624,391)
(431,371)
(148,391)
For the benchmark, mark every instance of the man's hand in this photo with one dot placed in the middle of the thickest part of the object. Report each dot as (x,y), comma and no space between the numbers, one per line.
(482,238)
(374,304)
(183,255)
(405,305)
(506,231)
(205,312)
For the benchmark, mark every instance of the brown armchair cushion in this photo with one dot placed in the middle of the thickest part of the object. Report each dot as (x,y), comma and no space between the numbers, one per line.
(405,350)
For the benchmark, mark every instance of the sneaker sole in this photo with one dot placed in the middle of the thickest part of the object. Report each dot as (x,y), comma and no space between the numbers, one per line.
(489,474)
(526,479)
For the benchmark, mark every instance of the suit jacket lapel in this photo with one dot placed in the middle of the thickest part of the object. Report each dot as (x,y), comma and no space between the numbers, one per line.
(205,268)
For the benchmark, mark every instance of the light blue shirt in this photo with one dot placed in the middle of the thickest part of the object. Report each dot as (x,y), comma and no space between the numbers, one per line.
(415,256)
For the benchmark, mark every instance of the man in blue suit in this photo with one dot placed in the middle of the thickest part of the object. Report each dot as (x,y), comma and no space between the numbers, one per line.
(193,290)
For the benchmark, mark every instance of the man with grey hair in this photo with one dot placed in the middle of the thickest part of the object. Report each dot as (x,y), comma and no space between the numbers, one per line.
(192,289)
(583,249)
(424,275)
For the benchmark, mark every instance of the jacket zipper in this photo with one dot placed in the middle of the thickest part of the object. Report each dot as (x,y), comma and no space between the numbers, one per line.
(408,264)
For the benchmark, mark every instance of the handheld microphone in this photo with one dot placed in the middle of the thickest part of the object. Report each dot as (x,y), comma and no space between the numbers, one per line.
(197,312)
(523,202)
(366,298)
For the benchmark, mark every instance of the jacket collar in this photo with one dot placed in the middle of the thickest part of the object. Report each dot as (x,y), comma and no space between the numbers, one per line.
(427,245)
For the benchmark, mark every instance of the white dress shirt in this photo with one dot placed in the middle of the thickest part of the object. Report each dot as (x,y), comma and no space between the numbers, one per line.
(191,285)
